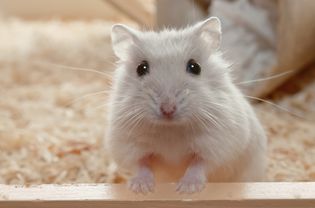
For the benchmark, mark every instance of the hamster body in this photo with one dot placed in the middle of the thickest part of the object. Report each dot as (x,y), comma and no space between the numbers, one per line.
(176,114)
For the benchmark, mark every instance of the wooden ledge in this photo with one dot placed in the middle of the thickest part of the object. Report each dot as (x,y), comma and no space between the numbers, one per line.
(298,194)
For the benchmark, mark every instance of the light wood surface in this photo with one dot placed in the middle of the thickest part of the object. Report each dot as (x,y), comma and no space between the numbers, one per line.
(140,11)
(109,195)
(295,41)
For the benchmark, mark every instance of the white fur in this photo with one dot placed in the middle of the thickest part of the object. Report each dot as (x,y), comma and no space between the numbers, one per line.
(231,142)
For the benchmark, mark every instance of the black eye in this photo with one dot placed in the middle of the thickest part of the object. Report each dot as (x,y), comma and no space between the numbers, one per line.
(193,67)
(143,68)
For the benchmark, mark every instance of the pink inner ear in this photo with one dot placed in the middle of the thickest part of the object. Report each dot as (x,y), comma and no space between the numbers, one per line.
(122,39)
(213,39)
(211,32)
(213,23)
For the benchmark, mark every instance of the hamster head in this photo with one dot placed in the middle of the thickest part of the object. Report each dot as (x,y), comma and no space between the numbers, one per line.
(169,76)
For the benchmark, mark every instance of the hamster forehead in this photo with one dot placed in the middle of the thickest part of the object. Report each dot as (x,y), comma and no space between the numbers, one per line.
(172,47)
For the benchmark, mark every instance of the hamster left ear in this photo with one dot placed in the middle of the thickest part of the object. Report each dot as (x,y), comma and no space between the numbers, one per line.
(210,31)
(122,38)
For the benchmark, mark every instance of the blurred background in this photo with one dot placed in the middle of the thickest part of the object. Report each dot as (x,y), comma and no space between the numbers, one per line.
(56,63)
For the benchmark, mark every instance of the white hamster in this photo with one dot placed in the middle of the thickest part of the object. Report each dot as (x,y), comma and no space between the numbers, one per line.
(174,109)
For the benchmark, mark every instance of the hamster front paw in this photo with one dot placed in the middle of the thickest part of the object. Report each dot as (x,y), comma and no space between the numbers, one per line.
(194,179)
(143,182)
(142,185)
(191,184)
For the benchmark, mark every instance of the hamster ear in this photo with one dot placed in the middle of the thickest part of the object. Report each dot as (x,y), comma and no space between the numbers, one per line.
(210,31)
(122,38)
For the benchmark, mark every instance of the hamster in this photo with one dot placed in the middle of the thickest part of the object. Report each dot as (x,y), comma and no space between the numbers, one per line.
(175,112)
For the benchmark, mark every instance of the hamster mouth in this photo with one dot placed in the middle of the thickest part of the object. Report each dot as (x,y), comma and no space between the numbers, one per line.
(168,120)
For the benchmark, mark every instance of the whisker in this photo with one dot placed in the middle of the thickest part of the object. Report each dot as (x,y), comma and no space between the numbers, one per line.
(214,107)
(266,78)
(75,68)
(197,120)
(213,119)
(216,104)
(136,122)
(217,107)
(86,96)
(277,106)
(100,106)
(203,123)
(130,121)
(107,104)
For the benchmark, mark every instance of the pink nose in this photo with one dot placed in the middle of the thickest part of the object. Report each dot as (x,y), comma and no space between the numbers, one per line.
(168,110)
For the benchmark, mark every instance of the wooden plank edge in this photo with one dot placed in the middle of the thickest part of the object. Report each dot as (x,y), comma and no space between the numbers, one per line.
(280,194)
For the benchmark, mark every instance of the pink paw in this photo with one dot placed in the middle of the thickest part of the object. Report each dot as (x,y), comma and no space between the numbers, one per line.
(191,184)
(142,185)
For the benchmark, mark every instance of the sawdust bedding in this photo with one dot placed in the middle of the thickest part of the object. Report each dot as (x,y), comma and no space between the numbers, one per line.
(48,135)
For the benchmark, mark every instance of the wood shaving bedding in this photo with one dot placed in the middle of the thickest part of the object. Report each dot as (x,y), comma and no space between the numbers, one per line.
(46,137)
(298,94)
(291,150)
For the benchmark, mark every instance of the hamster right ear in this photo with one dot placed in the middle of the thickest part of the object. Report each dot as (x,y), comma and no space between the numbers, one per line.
(210,31)
(122,38)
